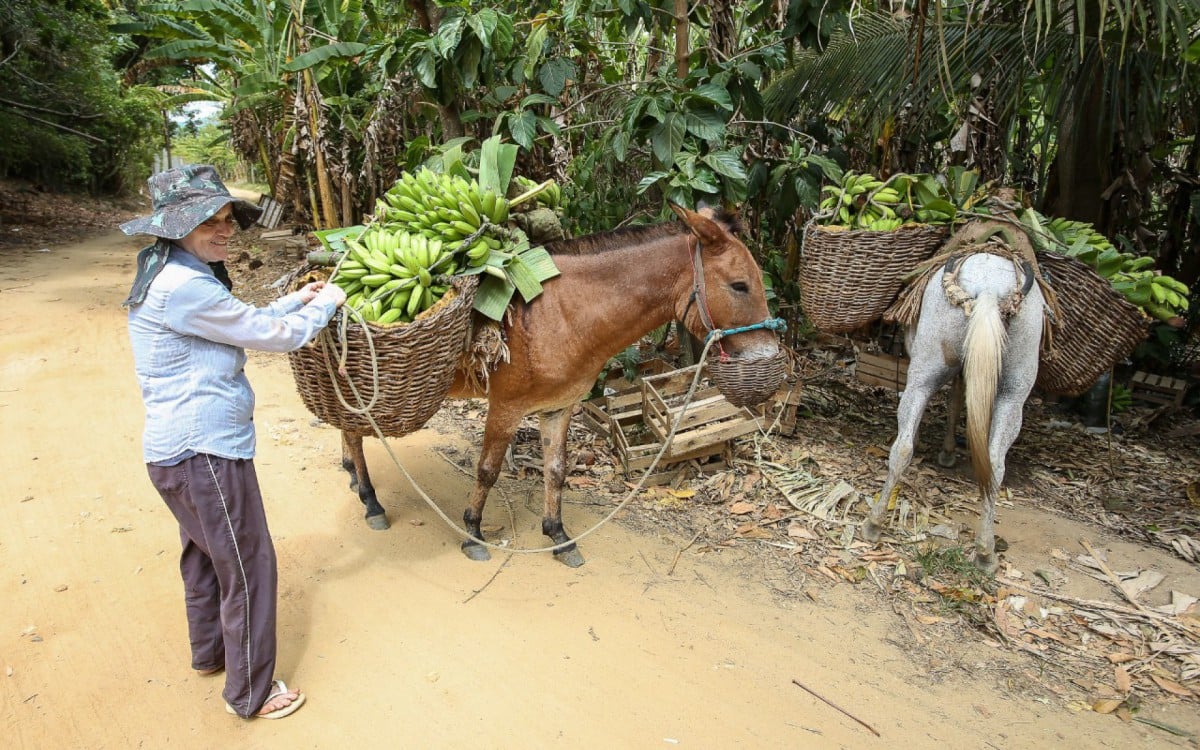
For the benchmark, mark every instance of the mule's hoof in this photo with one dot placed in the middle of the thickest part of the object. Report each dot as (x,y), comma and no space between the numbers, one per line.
(569,557)
(871,531)
(476,551)
(378,522)
(947,460)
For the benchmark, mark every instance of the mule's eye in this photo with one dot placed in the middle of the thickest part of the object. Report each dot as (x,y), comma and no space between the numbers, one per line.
(740,287)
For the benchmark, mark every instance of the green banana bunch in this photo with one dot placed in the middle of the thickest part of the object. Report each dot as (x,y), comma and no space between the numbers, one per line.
(391,276)
(1161,297)
(549,195)
(443,206)
(456,211)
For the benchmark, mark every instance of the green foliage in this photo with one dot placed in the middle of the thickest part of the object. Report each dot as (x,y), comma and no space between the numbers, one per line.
(64,120)
(209,145)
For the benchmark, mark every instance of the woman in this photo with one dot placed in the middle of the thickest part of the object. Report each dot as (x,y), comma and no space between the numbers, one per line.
(189,337)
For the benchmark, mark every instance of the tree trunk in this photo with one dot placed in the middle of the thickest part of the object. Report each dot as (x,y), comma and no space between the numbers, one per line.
(682,53)
(1082,171)
(328,216)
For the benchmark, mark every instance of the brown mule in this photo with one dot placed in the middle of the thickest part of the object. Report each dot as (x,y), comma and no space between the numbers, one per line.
(614,288)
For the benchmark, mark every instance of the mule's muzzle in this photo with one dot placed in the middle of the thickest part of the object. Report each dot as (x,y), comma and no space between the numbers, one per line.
(749,380)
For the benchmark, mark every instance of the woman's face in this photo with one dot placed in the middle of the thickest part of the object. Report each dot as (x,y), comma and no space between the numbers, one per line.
(210,241)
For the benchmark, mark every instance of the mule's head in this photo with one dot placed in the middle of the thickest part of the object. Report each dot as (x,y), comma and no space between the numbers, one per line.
(727,293)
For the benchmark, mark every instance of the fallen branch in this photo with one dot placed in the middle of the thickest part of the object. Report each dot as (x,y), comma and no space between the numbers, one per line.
(828,702)
(479,590)
(681,550)
(1145,614)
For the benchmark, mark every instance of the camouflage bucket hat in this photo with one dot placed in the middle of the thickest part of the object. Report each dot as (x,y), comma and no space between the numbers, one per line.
(185,196)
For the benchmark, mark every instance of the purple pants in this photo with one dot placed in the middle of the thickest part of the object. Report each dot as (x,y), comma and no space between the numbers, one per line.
(228,567)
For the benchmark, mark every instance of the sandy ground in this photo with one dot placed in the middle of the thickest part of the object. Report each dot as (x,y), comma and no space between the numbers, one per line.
(398,640)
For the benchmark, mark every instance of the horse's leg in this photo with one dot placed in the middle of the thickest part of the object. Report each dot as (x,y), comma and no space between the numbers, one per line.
(498,432)
(1006,425)
(908,419)
(554,426)
(947,456)
(354,461)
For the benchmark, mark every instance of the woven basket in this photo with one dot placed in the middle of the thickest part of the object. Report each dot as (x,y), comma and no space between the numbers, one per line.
(748,382)
(415,365)
(1097,328)
(848,278)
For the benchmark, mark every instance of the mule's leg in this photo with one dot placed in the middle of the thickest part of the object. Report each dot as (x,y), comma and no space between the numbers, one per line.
(908,420)
(948,454)
(498,432)
(354,461)
(554,426)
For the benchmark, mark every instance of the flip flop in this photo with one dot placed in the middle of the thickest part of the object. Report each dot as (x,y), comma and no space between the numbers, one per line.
(212,671)
(278,688)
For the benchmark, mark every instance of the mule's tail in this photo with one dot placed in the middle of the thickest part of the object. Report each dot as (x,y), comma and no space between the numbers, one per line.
(983,354)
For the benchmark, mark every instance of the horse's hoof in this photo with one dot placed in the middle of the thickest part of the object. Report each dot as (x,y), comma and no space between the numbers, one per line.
(378,522)
(947,460)
(569,557)
(476,551)
(871,531)
(988,564)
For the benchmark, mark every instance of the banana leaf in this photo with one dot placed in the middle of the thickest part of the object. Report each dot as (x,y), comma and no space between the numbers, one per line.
(524,280)
(334,240)
(492,297)
(496,163)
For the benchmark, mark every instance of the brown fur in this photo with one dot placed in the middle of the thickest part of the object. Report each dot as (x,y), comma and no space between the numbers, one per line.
(613,289)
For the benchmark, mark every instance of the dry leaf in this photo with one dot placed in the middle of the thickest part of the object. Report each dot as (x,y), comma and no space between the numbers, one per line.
(1172,687)
(1106,705)
(827,573)
(1123,680)
(742,508)
(797,530)
(753,531)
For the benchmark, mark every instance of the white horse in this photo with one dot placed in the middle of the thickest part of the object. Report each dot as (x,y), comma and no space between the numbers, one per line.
(993,360)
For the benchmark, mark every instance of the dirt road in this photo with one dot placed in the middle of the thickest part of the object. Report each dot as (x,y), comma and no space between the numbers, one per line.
(398,640)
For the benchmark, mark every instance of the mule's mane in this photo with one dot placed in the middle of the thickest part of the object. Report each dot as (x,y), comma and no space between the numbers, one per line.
(615,239)
(626,236)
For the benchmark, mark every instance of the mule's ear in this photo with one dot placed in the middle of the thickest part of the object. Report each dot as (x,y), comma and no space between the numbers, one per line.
(706,229)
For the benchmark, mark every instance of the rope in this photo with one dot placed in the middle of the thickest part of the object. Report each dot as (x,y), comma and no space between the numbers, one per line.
(364,410)
(772,324)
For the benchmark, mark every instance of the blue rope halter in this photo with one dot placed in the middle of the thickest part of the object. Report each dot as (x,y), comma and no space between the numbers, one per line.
(773,324)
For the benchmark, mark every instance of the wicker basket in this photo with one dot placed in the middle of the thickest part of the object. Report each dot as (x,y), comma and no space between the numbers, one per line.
(848,278)
(1097,329)
(415,365)
(748,382)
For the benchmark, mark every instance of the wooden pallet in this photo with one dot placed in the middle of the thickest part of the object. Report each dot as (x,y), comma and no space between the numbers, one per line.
(1157,389)
(618,418)
(709,419)
(784,406)
(885,370)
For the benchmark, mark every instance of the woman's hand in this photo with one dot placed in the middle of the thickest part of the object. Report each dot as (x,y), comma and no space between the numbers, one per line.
(331,292)
(309,291)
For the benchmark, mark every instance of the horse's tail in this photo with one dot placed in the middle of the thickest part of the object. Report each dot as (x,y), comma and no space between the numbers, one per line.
(983,353)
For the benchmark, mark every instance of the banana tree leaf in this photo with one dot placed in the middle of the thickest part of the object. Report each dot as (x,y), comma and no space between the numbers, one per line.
(338,50)
(334,240)
(539,263)
(496,163)
(523,278)
(492,297)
